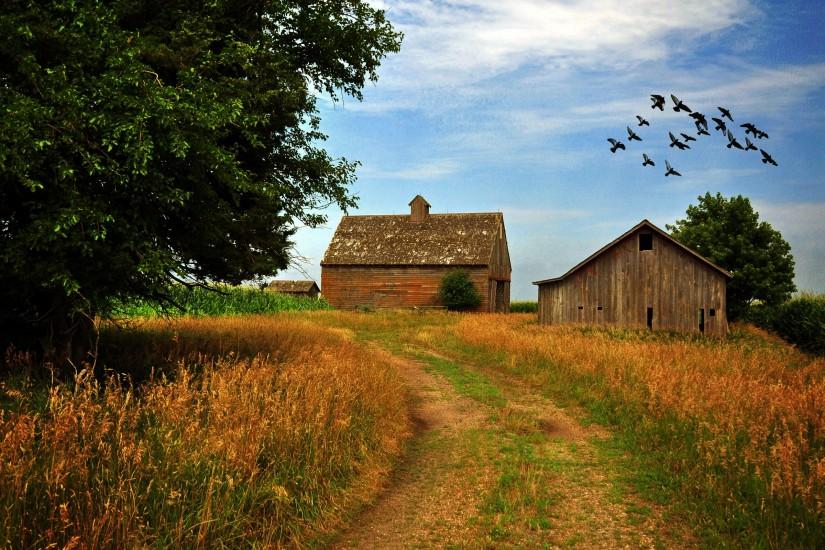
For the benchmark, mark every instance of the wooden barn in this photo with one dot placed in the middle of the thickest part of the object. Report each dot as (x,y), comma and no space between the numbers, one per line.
(645,278)
(295,288)
(399,260)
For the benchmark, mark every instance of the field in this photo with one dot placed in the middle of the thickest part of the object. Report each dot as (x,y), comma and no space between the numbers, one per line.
(221,300)
(279,428)
(263,430)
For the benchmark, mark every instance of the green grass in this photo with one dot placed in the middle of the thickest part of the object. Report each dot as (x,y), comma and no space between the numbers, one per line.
(525,306)
(221,300)
(466,382)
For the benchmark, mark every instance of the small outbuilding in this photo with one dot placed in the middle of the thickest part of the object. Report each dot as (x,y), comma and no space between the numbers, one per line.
(644,278)
(395,261)
(295,288)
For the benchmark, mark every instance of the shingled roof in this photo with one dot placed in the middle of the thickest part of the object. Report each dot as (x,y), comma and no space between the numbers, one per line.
(292,286)
(439,239)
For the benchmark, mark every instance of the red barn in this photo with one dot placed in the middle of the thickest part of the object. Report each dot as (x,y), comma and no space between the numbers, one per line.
(399,260)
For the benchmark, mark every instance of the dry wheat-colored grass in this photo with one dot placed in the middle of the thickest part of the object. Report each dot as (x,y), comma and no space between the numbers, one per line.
(266,432)
(759,406)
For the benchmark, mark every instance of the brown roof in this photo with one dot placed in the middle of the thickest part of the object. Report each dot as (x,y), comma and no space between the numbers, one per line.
(292,286)
(440,239)
(643,223)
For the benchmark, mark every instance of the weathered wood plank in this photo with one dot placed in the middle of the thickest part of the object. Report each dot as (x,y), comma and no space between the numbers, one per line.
(625,281)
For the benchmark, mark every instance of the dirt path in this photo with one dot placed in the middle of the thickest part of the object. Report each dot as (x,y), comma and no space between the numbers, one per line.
(430,499)
(520,473)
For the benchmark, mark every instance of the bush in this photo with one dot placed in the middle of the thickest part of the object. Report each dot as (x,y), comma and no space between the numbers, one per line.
(458,292)
(524,307)
(800,321)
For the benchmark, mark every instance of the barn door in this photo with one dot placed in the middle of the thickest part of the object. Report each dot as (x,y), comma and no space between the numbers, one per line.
(501,297)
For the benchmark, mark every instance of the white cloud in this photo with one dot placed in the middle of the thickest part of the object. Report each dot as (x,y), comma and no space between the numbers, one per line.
(424,171)
(464,41)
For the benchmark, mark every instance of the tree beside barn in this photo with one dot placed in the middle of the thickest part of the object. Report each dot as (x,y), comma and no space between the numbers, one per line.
(400,260)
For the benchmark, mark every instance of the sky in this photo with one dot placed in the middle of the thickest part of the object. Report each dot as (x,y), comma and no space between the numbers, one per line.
(506,106)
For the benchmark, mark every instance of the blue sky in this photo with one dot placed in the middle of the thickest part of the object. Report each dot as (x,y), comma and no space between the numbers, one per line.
(505,106)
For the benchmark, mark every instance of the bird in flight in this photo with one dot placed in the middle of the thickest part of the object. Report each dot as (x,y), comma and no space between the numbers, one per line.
(642,121)
(699,118)
(670,171)
(720,124)
(676,143)
(647,161)
(732,142)
(725,113)
(631,135)
(678,105)
(616,144)
(701,131)
(760,134)
(687,137)
(750,128)
(658,102)
(766,158)
(748,145)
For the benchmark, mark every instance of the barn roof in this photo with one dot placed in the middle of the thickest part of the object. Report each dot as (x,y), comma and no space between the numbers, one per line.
(640,225)
(440,239)
(292,286)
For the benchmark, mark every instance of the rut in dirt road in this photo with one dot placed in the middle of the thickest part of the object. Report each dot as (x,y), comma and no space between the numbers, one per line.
(507,468)
(435,492)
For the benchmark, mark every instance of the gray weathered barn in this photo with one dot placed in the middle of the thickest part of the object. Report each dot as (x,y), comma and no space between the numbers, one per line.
(295,288)
(645,278)
(400,260)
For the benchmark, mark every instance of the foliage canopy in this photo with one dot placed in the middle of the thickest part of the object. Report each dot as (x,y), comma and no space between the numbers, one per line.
(144,142)
(458,292)
(728,232)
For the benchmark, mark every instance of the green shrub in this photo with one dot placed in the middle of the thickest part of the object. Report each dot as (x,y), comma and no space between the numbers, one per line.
(525,306)
(458,292)
(800,321)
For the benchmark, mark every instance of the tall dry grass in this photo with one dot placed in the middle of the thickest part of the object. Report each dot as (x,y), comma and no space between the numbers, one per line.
(265,432)
(742,421)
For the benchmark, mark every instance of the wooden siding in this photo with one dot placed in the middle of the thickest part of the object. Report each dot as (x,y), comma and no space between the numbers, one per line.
(625,281)
(500,268)
(347,287)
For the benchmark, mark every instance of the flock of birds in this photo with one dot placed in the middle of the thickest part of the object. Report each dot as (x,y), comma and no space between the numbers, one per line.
(701,130)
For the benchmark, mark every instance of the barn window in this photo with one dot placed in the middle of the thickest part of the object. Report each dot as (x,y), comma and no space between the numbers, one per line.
(650,317)
(702,320)
(712,312)
(599,308)
(581,307)
(645,241)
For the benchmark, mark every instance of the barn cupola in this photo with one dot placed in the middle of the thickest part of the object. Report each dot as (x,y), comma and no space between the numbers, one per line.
(419,209)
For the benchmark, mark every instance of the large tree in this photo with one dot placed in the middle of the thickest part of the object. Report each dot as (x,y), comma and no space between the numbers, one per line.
(148,141)
(728,232)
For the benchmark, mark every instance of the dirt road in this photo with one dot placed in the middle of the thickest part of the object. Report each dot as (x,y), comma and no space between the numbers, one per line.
(494,464)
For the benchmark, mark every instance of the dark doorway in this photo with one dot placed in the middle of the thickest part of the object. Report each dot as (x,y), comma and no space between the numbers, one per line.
(502,297)
(650,318)
(702,320)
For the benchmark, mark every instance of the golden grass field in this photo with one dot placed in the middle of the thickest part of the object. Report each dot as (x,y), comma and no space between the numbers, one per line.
(273,429)
(267,431)
(766,402)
